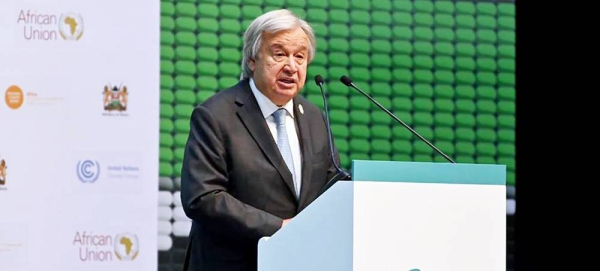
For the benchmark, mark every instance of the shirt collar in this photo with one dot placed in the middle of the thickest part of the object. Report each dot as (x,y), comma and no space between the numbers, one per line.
(267,107)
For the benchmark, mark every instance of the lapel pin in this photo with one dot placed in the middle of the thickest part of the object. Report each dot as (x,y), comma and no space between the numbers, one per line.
(301,109)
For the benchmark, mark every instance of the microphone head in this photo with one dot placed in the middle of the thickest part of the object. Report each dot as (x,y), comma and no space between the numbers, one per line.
(346,80)
(318,80)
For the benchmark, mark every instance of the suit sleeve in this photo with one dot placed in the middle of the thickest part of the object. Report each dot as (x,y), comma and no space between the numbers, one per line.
(332,171)
(204,182)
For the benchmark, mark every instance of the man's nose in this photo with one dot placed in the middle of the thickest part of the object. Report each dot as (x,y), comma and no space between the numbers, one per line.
(290,65)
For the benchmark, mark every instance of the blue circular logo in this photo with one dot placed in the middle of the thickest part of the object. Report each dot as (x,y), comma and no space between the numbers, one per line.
(88,171)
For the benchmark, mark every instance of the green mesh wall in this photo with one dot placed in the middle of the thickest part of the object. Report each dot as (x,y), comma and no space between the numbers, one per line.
(446,68)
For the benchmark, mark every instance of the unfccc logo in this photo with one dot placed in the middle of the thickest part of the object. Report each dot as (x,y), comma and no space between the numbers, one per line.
(88,171)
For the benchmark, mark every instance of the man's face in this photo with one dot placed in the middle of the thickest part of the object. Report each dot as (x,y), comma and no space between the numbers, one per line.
(280,68)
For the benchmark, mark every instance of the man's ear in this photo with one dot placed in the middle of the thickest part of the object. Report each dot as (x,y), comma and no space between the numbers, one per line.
(251,64)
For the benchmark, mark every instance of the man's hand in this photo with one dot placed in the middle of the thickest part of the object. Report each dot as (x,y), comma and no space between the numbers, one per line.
(285,221)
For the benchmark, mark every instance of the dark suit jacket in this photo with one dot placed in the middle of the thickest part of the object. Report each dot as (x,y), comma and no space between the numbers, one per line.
(235,185)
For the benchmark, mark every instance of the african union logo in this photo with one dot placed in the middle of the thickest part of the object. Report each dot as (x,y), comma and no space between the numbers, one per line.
(88,171)
(70,26)
(115,98)
(127,246)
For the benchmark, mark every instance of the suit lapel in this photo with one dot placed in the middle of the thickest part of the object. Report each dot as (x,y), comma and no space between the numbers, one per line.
(304,138)
(251,116)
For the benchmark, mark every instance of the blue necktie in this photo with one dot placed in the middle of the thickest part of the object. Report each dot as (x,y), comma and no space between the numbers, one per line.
(284,145)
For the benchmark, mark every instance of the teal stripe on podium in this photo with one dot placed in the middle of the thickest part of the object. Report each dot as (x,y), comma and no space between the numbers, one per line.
(428,172)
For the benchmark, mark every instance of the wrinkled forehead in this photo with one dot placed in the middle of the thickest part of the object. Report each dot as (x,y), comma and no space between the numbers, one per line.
(285,39)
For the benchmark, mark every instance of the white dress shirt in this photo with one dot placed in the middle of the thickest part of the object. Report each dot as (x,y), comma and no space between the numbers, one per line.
(268,107)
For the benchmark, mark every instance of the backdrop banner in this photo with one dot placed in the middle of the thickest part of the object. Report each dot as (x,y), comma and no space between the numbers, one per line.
(79,134)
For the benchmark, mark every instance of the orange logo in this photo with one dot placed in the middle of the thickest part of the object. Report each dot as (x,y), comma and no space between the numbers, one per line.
(14,97)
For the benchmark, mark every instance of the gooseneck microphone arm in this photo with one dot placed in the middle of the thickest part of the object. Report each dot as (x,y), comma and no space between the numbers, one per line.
(340,173)
(319,82)
(348,82)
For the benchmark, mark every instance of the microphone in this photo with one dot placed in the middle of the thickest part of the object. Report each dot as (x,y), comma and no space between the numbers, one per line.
(340,173)
(348,82)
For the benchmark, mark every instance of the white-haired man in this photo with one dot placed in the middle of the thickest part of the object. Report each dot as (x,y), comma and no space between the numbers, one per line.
(257,153)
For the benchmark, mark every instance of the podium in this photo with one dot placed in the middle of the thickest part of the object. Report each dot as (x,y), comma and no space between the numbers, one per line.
(400,216)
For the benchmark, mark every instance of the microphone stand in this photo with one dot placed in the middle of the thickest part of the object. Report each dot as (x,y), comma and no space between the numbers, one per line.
(340,173)
(348,82)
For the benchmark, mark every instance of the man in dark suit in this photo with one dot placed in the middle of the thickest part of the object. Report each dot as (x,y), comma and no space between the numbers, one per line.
(247,169)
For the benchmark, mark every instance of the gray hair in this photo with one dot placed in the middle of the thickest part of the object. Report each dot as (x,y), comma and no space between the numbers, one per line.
(272,22)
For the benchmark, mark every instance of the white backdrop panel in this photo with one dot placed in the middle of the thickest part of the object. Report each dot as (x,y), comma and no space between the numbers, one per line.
(79,135)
